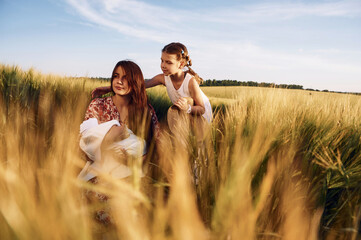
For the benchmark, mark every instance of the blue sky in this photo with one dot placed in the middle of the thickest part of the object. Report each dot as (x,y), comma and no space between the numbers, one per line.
(316,44)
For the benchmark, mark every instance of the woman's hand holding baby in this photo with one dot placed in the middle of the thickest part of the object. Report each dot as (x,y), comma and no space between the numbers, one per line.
(116,133)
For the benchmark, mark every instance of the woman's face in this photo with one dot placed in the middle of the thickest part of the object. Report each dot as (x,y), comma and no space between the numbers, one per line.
(120,82)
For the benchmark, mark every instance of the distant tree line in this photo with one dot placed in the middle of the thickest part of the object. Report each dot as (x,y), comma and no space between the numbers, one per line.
(103,79)
(249,84)
(214,82)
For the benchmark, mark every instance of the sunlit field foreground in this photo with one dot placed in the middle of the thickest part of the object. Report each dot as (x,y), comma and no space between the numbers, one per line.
(277,164)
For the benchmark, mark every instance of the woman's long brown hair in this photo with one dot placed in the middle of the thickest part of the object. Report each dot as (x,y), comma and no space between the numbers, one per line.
(139,120)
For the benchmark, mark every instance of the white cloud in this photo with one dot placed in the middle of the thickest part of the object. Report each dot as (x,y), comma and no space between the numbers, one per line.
(278,11)
(100,14)
(150,22)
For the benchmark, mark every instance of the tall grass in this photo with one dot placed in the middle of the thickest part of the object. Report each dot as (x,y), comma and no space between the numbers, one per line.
(277,164)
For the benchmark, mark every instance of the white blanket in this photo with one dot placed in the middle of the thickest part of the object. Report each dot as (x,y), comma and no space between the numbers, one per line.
(92,135)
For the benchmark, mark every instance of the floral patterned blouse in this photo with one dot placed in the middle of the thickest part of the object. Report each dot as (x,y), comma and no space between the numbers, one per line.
(105,110)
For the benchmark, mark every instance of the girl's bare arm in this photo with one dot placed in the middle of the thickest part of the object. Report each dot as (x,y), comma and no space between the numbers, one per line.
(99,91)
(157,80)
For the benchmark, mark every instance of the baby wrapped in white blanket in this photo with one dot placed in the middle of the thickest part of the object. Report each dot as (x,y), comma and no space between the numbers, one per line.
(92,135)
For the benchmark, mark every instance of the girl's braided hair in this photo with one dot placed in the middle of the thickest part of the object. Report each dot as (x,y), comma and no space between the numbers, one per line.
(182,55)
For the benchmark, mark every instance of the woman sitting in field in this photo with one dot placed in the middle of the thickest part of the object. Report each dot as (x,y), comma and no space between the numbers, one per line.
(118,129)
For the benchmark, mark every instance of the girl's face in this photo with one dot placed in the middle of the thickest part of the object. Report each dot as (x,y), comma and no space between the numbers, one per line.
(120,82)
(169,64)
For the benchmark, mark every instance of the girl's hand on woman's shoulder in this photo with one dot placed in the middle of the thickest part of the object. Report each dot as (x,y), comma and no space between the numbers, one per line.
(156,80)
(99,91)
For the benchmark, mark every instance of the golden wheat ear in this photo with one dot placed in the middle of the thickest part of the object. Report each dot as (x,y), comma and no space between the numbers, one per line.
(190,101)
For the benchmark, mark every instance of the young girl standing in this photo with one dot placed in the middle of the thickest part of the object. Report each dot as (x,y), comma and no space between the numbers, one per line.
(181,84)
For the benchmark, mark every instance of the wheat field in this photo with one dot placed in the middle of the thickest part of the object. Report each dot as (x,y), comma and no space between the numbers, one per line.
(276,164)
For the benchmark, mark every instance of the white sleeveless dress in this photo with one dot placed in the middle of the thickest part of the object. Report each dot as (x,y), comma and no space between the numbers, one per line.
(183,91)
